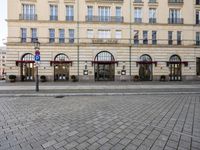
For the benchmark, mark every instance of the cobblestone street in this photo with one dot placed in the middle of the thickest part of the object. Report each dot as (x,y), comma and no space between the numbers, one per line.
(140,122)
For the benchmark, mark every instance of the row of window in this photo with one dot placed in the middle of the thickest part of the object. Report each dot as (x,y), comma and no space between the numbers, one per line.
(106,34)
(104,14)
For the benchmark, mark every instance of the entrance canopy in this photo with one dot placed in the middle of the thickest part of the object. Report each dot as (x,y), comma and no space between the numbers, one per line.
(146,59)
(26,58)
(175,59)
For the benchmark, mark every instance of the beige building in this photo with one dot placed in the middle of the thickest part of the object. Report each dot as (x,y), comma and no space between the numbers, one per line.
(105,40)
(2,62)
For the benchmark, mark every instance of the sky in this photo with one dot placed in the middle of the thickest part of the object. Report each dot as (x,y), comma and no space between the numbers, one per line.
(3,24)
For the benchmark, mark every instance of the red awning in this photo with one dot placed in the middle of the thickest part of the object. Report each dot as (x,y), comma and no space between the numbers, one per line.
(146,62)
(24,62)
(105,62)
(60,62)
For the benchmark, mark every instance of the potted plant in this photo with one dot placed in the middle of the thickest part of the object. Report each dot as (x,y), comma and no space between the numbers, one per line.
(43,78)
(12,78)
(162,78)
(136,78)
(73,78)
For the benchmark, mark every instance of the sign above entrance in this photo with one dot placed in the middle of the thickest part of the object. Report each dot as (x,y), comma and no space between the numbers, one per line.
(37,57)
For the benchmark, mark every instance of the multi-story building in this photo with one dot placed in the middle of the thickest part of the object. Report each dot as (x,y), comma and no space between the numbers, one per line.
(2,62)
(105,39)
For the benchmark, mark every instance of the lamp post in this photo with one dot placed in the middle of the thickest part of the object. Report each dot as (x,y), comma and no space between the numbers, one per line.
(37,59)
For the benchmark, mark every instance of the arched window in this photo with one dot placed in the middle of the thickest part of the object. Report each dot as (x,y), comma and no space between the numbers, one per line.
(175,58)
(104,56)
(145,57)
(28,57)
(61,57)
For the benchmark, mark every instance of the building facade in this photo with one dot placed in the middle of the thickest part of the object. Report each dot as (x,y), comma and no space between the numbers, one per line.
(105,40)
(2,62)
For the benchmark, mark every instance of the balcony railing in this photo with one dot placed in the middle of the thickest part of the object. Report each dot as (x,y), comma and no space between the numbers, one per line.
(175,20)
(138,20)
(175,1)
(28,17)
(53,18)
(115,41)
(152,20)
(104,19)
(69,18)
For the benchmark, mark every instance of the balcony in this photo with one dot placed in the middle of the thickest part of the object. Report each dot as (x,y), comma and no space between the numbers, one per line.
(69,18)
(175,20)
(28,17)
(138,20)
(138,2)
(152,20)
(175,2)
(104,19)
(53,18)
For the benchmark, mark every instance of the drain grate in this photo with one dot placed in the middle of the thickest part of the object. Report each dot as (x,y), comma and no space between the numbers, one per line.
(60,96)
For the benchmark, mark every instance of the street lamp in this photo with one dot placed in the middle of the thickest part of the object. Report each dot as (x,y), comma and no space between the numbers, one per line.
(37,59)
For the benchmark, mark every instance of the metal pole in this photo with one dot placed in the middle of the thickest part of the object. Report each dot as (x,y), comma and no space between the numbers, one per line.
(130,40)
(37,80)
(78,48)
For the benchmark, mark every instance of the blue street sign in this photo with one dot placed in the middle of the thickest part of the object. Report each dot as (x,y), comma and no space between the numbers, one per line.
(37,57)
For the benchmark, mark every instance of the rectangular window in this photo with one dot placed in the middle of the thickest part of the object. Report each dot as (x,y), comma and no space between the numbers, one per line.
(136,37)
(197,38)
(69,13)
(61,36)
(51,35)
(53,12)
(28,12)
(118,34)
(33,35)
(118,14)
(23,34)
(179,38)
(198,2)
(175,16)
(138,15)
(170,37)
(104,13)
(145,37)
(90,13)
(154,37)
(152,15)
(198,17)
(104,34)
(90,33)
(71,35)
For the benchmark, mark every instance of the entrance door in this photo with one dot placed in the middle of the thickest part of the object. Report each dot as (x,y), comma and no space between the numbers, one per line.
(145,72)
(175,68)
(27,67)
(175,71)
(104,72)
(61,72)
(27,72)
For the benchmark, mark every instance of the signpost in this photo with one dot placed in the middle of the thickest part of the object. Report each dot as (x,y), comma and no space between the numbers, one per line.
(37,60)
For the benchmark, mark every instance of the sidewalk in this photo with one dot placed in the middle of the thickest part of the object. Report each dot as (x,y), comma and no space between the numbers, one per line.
(98,88)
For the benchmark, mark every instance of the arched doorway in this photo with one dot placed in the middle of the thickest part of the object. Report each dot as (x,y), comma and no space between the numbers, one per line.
(104,67)
(145,69)
(27,67)
(61,67)
(175,68)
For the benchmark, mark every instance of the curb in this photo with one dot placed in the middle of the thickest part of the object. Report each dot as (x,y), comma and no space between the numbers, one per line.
(61,95)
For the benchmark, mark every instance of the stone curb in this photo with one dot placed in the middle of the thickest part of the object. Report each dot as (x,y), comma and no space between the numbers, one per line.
(61,95)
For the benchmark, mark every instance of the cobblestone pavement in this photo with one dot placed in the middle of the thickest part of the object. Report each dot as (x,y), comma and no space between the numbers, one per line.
(140,122)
